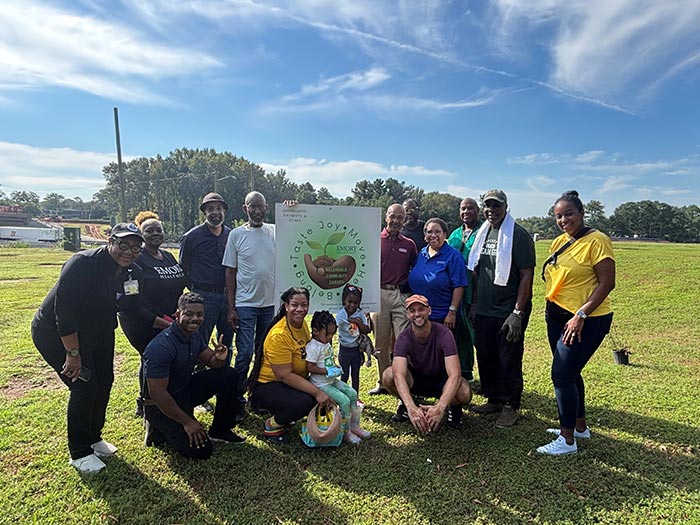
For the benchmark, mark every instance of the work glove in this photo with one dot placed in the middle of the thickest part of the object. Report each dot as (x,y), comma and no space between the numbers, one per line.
(333,371)
(513,328)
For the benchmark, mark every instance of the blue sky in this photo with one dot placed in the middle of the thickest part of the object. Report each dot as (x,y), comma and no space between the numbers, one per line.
(531,96)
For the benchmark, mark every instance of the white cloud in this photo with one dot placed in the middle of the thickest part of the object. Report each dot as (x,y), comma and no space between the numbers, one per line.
(616,183)
(355,81)
(340,176)
(535,159)
(609,48)
(589,156)
(45,46)
(539,183)
(44,170)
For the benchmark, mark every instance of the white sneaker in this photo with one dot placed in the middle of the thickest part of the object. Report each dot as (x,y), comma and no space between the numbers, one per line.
(586,434)
(103,449)
(87,464)
(558,447)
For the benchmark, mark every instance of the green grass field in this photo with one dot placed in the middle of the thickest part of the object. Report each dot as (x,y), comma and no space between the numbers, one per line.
(642,465)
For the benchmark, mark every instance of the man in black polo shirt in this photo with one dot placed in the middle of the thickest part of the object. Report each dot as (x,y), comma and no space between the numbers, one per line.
(413,226)
(171,390)
(201,252)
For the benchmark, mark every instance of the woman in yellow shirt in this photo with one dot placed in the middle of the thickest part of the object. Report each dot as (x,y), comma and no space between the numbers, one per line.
(579,277)
(279,381)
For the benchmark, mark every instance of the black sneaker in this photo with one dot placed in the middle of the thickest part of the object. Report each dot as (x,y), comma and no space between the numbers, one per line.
(401,415)
(454,416)
(226,436)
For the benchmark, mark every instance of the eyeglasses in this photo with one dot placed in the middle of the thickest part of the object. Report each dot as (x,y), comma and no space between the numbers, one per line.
(493,204)
(434,232)
(126,247)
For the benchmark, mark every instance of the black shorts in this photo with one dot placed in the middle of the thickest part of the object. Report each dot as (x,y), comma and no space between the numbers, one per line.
(427,386)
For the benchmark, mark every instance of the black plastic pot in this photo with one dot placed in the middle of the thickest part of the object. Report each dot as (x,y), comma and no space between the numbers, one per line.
(621,357)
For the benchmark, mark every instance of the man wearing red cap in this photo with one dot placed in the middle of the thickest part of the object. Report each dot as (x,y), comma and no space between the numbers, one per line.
(426,364)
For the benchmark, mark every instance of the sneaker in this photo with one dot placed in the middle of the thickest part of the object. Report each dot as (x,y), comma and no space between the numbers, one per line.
(558,447)
(487,408)
(352,438)
(361,432)
(88,464)
(103,449)
(586,434)
(454,416)
(401,415)
(226,436)
(378,391)
(509,416)
(204,407)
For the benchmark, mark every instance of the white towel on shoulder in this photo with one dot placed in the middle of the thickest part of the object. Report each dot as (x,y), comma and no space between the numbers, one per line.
(504,250)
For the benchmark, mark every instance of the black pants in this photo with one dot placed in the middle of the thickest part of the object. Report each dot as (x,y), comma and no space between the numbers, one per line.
(350,361)
(285,403)
(500,362)
(87,404)
(219,382)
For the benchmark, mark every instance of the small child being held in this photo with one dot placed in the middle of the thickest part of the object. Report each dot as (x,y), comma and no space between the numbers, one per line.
(352,323)
(320,363)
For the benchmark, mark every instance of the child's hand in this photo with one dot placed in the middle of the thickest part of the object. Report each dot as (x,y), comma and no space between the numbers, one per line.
(333,371)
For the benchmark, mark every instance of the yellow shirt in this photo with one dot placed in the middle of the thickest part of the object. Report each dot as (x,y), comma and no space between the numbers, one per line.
(283,345)
(572,279)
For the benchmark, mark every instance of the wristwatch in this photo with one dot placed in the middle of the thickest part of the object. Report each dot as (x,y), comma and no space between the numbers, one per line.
(452,308)
(73,352)
(517,312)
(581,314)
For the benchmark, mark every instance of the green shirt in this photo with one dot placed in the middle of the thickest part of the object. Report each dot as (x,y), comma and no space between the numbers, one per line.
(464,246)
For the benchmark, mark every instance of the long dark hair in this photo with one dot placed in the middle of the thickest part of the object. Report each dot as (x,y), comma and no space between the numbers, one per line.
(285,298)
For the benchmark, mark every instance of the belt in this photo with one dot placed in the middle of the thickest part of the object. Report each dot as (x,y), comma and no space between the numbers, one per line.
(208,288)
(390,286)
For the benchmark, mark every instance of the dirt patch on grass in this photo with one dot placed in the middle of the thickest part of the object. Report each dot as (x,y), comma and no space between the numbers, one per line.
(18,280)
(19,386)
(50,264)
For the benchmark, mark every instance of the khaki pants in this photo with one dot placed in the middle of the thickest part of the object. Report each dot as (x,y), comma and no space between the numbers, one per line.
(389,322)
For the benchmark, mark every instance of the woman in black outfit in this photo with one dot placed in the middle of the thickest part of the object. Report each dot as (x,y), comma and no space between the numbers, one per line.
(74,332)
(163,282)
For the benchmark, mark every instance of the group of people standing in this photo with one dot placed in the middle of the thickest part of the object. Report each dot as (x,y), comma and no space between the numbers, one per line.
(442,295)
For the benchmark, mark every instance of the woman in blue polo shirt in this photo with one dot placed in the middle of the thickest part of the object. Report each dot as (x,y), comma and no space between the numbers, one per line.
(439,274)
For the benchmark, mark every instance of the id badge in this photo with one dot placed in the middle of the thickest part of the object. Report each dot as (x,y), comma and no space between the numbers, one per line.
(131,287)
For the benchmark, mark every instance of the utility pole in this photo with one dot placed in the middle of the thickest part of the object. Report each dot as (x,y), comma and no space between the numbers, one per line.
(120,170)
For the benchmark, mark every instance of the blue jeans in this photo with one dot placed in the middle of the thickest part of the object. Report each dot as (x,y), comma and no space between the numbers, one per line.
(252,323)
(216,315)
(569,361)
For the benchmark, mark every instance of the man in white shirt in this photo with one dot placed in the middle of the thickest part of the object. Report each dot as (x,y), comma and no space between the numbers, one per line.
(250,283)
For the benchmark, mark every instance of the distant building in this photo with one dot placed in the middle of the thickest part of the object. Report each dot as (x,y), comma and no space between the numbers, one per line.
(13,216)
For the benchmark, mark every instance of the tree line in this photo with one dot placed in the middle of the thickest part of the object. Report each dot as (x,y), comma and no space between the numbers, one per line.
(173,187)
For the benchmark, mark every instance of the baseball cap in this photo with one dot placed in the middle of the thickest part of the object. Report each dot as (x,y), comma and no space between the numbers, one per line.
(213,197)
(124,229)
(415,298)
(496,195)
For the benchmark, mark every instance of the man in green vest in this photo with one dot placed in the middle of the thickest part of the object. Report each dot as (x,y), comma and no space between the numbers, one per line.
(462,240)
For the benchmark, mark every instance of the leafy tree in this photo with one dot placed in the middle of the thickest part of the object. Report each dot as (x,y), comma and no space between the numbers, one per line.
(53,202)
(28,200)
(442,205)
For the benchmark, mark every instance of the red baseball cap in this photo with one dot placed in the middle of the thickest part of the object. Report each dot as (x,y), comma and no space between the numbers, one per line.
(415,298)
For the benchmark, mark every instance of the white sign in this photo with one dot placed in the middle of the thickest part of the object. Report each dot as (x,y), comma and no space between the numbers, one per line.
(323,248)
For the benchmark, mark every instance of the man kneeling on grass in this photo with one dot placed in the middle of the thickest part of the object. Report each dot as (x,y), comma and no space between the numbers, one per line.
(171,390)
(426,364)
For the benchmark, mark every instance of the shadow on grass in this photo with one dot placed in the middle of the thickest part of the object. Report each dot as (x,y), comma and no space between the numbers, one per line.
(484,473)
